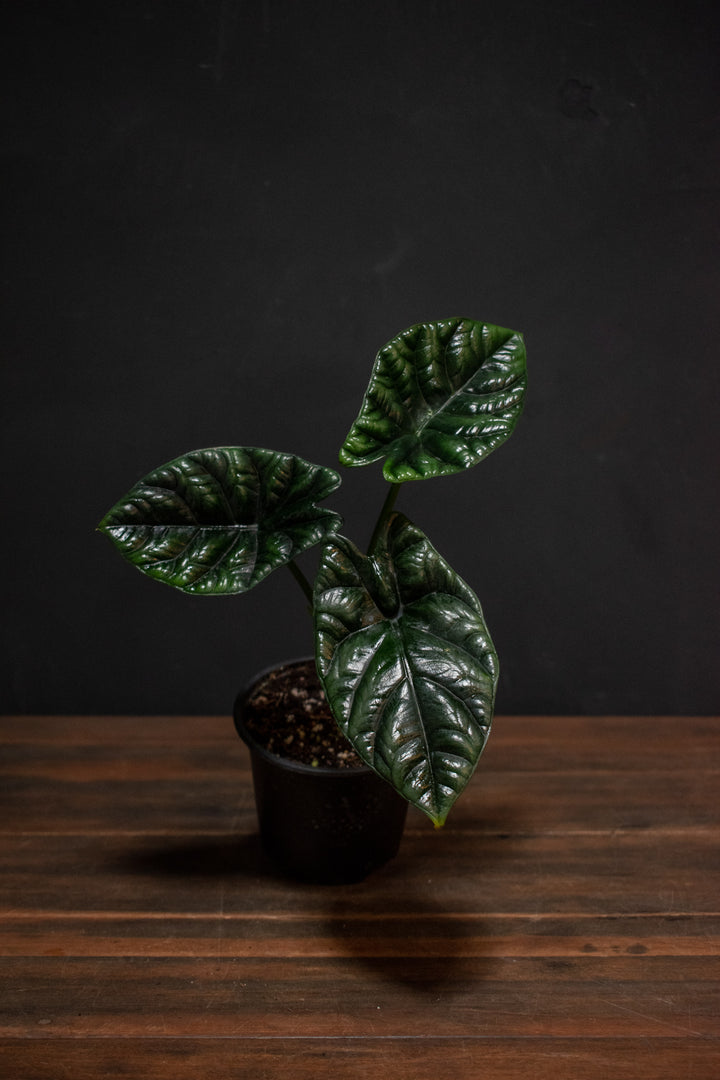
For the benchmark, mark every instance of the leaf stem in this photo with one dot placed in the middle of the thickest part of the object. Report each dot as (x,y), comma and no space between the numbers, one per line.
(385,513)
(302,581)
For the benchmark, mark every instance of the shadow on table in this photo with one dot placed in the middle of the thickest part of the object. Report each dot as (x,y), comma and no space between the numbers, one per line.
(204,857)
(422,922)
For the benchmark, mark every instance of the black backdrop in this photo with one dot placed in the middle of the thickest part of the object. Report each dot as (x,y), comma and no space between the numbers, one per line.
(215,213)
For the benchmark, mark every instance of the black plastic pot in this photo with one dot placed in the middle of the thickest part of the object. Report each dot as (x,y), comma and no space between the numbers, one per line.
(319,824)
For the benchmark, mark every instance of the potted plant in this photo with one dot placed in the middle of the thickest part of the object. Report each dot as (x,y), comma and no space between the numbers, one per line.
(402,653)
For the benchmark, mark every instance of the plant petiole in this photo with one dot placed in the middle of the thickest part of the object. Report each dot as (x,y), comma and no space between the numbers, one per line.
(385,513)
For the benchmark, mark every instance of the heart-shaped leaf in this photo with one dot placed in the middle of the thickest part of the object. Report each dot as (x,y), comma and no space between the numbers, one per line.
(220,520)
(406,662)
(441,397)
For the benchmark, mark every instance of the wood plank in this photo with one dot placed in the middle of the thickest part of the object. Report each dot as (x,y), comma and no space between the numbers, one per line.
(517,743)
(31,805)
(94,800)
(238,1058)
(441,936)
(130,734)
(620,872)
(618,997)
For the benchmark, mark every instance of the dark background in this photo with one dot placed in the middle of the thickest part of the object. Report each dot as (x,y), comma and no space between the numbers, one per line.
(216,212)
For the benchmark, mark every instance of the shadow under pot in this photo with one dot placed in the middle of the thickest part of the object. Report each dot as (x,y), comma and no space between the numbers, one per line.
(324,816)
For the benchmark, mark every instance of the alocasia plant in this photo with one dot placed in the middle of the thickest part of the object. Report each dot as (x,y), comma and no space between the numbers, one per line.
(401,645)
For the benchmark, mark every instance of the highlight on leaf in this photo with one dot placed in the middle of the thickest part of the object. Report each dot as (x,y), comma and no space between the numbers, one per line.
(407,663)
(441,397)
(218,521)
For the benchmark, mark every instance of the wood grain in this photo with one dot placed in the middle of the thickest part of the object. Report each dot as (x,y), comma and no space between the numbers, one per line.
(232,1058)
(565,923)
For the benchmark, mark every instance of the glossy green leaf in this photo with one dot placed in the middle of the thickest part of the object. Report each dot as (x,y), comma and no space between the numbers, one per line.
(441,397)
(406,662)
(220,520)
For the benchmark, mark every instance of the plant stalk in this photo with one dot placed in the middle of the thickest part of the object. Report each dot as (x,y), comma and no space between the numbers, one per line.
(385,513)
(302,582)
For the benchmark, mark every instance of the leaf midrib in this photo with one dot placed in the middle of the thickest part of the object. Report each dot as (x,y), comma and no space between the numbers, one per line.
(420,427)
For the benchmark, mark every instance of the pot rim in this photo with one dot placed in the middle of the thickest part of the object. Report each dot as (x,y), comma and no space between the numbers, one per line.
(329,771)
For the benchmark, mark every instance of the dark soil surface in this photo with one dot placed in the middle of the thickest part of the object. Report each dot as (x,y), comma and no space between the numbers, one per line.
(289,715)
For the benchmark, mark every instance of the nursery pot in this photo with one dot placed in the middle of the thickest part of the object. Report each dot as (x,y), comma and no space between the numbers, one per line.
(318,823)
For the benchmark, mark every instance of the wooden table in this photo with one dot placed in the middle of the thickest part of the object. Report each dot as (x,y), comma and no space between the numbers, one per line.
(564,924)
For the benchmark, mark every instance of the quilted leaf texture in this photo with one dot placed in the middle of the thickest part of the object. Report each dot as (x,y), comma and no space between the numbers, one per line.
(218,521)
(442,396)
(406,662)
